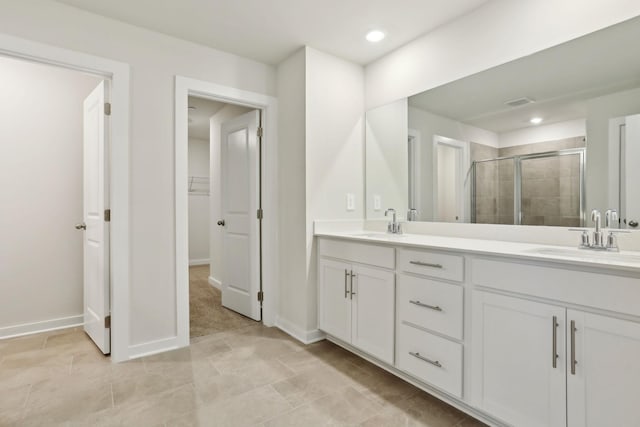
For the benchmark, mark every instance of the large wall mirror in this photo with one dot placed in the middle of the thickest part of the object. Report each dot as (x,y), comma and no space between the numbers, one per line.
(541,140)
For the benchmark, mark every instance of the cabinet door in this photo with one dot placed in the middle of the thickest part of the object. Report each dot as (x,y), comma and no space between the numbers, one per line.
(516,374)
(373,312)
(334,299)
(604,384)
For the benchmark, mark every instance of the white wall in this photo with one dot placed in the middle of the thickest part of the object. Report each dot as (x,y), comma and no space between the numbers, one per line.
(294,292)
(215,232)
(321,104)
(543,133)
(334,150)
(198,203)
(155,59)
(497,32)
(386,154)
(40,193)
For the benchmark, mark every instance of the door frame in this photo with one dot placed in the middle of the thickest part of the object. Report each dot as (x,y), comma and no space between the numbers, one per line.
(119,75)
(185,86)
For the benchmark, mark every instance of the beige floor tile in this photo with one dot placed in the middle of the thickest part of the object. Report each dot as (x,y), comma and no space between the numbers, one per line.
(20,345)
(346,406)
(307,416)
(58,401)
(247,409)
(157,409)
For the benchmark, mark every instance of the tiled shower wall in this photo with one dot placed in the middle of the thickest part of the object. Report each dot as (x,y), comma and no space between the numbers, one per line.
(550,186)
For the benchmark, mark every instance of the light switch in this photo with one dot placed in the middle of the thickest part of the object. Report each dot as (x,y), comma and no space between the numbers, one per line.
(377,202)
(351,202)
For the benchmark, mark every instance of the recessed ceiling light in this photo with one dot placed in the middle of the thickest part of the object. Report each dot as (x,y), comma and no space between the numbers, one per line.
(536,120)
(375,36)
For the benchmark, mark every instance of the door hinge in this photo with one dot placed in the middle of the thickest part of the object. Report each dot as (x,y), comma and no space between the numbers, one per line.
(260,296)
(107,215)
(260,132)
(107,322)
(260,213)
(107,108)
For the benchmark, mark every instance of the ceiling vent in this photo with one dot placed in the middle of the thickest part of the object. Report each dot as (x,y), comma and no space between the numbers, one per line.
(519,102)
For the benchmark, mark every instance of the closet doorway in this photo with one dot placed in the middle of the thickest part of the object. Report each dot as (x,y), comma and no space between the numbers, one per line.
(259,214)
(224,196)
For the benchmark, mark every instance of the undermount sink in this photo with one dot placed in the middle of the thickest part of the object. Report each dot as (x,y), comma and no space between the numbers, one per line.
(586,254)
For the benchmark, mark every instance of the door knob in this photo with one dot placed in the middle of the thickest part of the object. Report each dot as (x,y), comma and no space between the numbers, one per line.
(633,223)
(221,222)
(81,226)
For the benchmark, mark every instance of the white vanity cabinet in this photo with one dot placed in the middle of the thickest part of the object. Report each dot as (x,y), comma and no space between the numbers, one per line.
(546,363)
(518,365)
(603,389)
(356,300)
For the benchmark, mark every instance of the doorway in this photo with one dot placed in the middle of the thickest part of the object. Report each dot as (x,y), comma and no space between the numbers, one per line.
(245,277)
(55,180)
(450,183)
(118,74)
(222,241)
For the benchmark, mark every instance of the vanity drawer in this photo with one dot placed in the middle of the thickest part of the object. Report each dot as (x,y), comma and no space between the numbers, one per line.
(379,256)
(434,264)
(433,305)
(431,359)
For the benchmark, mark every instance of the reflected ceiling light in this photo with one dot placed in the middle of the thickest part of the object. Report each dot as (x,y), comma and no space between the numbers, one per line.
(536,120)
(375,36)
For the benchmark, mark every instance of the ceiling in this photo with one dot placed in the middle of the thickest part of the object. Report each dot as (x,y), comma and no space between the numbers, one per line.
(560,80)
(199,116)
(269,31)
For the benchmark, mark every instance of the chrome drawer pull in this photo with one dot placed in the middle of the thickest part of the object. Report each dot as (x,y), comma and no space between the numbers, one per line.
(425,264)
(424,359)
(432,307)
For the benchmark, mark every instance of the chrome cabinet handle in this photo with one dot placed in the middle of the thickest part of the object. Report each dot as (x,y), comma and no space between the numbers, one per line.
(554,349)
(574,362)
(425,264)
(420,304)
(351,289)
(81,226)
(424,359)
(346,291)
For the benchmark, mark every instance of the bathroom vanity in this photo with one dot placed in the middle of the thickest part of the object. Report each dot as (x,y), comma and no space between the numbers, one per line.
(511,333)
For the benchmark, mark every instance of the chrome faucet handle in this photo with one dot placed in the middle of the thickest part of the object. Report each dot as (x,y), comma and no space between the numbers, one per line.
(596,218)
(610,216)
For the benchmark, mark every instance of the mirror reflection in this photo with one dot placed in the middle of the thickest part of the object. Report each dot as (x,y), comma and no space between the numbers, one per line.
(538,141)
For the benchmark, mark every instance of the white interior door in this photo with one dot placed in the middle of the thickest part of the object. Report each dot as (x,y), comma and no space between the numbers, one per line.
(240,195)
(96,234)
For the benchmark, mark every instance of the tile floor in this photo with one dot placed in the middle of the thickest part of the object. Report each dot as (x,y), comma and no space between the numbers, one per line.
(246,376)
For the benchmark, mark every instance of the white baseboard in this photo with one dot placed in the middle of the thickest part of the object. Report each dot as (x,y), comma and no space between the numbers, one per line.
(199,261)
(153,347)
(215,283)
(42,326)
(306,337)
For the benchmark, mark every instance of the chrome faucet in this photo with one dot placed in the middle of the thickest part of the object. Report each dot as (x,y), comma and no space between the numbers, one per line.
(598,239)
(597,242)
(394,227)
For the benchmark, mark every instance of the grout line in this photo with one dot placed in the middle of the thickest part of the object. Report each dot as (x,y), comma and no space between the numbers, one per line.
(113,401)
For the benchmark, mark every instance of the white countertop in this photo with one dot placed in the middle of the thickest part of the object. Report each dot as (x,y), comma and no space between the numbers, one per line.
(623,261)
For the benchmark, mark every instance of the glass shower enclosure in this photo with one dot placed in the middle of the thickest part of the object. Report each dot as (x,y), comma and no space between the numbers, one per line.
(530,189)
